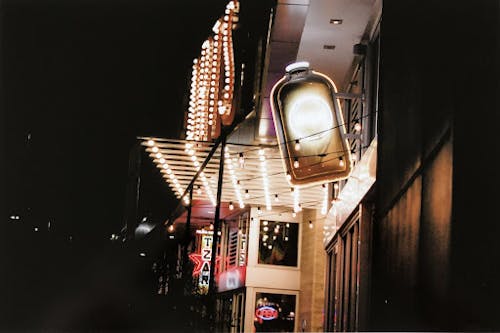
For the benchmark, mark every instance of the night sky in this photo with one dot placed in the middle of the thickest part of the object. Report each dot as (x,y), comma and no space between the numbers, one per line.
(80,81)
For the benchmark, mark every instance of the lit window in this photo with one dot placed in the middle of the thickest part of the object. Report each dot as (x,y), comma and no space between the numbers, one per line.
(278,243)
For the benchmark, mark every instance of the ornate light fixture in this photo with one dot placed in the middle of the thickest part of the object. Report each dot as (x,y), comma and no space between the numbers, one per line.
(306,110)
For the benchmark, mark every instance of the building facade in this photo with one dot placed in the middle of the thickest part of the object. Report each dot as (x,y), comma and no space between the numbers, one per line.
(402,243)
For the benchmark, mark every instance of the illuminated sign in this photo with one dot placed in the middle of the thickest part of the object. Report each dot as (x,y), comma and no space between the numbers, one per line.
(310,127)
(266,313)
(206,255)
(204,232)
(202,263)
(212,81)
(231,279)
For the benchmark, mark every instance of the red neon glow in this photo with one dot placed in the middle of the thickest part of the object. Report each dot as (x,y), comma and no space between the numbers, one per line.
(198,260)
(266,313)
(231,279)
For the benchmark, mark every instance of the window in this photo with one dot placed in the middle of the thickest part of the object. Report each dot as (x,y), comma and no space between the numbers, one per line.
(278,243)
(274,312)
(343,279)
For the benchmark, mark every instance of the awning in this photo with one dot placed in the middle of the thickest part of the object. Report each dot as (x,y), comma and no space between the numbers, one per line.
(253,175)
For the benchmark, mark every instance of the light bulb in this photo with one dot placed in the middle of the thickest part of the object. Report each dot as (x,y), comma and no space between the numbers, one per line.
(297,145)
(310,225)
(171,228)
(341,162)
(296,163)
(276,198)
(288,176)
(357,127)
(231,206)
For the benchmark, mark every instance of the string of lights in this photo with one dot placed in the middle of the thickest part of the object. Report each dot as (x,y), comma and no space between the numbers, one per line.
(259,146)
(192,145)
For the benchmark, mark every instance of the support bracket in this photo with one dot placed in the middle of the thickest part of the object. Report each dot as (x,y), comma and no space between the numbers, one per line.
(353,136)
(349,96)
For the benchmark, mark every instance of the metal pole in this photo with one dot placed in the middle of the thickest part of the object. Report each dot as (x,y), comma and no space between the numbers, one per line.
(187,234)
(188,219)
(213,259)
(133,191)
(225,131)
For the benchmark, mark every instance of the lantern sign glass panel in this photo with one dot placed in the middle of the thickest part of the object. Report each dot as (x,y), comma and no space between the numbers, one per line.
(310,127)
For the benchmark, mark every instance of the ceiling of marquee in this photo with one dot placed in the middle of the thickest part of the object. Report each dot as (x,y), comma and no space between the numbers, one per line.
(261,174)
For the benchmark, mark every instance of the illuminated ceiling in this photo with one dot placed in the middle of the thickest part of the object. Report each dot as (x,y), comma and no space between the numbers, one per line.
(260,181)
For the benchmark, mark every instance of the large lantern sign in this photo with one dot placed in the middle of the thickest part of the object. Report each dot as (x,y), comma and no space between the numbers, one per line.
(310,127)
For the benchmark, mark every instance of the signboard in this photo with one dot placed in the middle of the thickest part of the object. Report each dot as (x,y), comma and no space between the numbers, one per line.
(231,279)
(310,127)
(213,80)
(266,313)
(206,256)
(202,262)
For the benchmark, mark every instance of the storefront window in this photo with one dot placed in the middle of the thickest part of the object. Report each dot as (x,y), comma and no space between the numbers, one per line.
(274,312)
(278,243)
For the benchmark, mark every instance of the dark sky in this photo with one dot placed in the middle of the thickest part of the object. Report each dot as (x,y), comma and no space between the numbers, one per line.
(80,80)
(83,79)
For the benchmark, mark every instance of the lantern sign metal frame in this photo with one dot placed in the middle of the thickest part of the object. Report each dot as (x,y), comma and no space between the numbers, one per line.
(310,127)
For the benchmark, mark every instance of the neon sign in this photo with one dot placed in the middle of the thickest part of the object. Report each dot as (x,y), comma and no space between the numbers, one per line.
(202,262)
(198,261)
(231,279)
(266,313)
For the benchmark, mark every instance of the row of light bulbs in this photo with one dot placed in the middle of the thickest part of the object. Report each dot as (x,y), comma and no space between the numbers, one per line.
(165,169)
(212,80)
(234,181)
(173,181)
